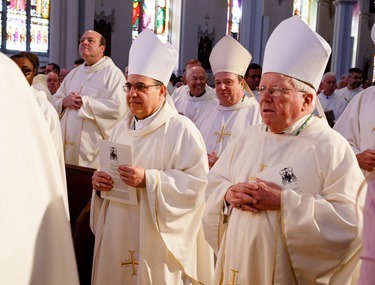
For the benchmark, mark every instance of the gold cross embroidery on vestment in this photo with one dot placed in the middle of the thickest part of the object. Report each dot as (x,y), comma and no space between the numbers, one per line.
(221,134)
(131,262)
(234,277)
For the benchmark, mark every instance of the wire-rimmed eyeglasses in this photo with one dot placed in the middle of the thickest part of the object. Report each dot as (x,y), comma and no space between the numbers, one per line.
(275,91)
(139,86)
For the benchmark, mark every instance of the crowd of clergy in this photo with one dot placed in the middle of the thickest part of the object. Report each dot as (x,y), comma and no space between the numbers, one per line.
(264,177)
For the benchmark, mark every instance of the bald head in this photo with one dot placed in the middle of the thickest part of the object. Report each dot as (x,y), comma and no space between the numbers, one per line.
(196,79)
(91,47)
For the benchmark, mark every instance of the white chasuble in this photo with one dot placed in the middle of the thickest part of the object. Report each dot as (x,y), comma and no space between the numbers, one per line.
(36,239)
(192,106)
(163,231)
(220,125)
(357,122)
(316,236)
(104,104)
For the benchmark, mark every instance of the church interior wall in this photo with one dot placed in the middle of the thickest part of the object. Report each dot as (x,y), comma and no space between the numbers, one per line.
(70,18)
(121,37)
(193,19)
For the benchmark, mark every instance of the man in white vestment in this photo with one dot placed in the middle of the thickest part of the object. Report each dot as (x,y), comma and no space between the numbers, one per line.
(252,78)
(196,99)
(90,101)
(185,88)
(282,199)
(36,241)
(28,62)
(159,240)
(354,85)
(234,112)
(357,125)
(329,99)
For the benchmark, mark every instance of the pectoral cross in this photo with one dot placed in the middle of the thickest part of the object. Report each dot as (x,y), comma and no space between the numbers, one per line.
(131,262)
(222,134)
(234,277)
(262,166)
(68,142)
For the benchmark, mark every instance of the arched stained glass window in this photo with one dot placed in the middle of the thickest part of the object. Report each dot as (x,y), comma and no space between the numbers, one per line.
(234,18)
(26,25)
(152,14)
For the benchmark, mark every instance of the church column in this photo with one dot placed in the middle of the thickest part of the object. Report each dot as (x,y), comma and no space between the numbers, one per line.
(342,46)
(251,29)
(64,32)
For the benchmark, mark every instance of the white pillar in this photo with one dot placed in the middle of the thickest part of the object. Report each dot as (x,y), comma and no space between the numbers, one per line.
(251,29)
(342,46)
(64,32)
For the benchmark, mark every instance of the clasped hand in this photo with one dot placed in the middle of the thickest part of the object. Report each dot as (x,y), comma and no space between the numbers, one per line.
(254,197)
(73,101)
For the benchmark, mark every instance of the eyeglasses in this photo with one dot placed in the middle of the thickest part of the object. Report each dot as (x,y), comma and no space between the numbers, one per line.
(139,87)
(275,91)
(26,71)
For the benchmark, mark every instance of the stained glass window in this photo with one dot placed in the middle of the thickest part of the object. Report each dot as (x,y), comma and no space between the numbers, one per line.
(152,14)
(27,25)
(234,18)
(307,10)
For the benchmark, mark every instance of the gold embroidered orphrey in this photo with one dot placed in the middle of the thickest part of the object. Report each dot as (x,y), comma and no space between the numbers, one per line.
(221,134)
(131,262)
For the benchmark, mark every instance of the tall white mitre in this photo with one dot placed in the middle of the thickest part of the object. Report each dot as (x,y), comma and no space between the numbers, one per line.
(293,49)
(228,55)
(150,57)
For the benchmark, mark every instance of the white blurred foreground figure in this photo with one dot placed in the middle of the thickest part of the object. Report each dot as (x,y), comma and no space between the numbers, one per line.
(36,240)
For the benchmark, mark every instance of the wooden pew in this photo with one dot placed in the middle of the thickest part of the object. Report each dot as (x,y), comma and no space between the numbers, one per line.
(79,196)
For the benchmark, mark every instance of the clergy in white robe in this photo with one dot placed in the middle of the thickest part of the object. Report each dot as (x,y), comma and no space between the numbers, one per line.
(28,62)
(328,97)
(160,239)
(90,102)
(196,99)
(53,124)
(234,111)
(357,125)
(333,103)
(354,85)
(282,204)
(36,241)
(221,124)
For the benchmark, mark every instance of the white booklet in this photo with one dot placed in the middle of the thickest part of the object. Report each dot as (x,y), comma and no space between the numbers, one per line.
(111,155)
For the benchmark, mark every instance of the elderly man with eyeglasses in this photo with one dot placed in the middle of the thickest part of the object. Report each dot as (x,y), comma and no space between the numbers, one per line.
(197,98)
(282,202)
(234,112)
(160,239)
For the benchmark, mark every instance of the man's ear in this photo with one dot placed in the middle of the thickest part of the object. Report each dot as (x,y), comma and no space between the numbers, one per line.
(163,90)
(308,99)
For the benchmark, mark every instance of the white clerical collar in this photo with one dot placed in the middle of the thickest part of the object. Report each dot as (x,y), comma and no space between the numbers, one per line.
(297,127)
(139,124)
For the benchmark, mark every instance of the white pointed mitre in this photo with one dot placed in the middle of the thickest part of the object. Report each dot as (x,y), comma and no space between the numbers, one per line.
(228,55)
(150,57)
(373,33)
(293,49)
